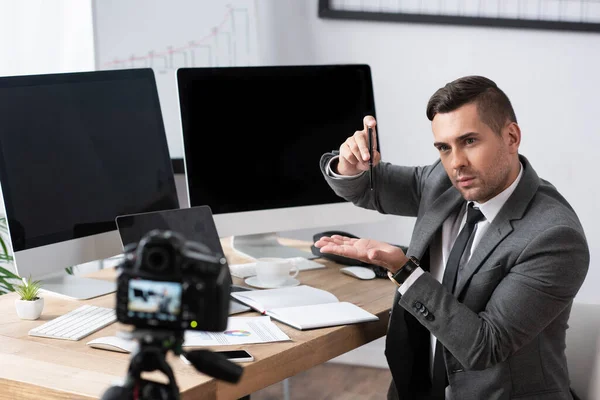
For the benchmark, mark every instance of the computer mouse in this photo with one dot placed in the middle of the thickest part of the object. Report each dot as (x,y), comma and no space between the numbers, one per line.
(359,272)
(114,343)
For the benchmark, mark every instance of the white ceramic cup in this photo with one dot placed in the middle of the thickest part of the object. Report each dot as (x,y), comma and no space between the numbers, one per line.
(272,271)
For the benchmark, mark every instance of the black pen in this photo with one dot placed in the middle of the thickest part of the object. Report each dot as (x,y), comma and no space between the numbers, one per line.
(370,130)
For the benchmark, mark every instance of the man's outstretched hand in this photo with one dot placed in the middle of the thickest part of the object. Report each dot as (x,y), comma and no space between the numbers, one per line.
(365,250)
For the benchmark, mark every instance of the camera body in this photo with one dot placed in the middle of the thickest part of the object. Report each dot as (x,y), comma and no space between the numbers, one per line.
(168,283)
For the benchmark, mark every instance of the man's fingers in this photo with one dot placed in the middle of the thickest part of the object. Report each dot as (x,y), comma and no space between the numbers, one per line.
(360,138)
(342,240)
(369,121)
(327,248)
(324,241)
(339,249)
(349,151)
(334,239)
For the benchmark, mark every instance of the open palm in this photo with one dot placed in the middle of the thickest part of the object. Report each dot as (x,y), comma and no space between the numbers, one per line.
(365,250)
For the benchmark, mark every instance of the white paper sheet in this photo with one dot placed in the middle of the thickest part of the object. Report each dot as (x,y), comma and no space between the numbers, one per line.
(240,330)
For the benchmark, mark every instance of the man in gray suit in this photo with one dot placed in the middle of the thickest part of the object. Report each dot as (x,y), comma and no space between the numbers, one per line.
(496,257)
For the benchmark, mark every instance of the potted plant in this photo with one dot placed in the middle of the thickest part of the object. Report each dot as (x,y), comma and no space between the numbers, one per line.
(30,305)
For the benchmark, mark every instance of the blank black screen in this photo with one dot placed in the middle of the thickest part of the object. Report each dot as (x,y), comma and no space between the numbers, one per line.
(253,136)
(194,223)
(79,149)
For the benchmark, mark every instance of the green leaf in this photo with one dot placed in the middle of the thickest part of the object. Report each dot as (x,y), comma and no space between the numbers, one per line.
(6,286)
(5,251)
(28,290)
(5,273)
(4,290)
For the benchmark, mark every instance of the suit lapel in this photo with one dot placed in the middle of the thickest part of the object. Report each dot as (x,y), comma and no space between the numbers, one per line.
(513,209)
(432,220)
(494,235)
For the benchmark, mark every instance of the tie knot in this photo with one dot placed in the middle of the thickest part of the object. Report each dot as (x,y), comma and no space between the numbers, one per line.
(474,215)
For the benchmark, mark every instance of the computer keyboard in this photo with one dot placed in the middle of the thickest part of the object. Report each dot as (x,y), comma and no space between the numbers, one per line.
(249,269)
(76,324)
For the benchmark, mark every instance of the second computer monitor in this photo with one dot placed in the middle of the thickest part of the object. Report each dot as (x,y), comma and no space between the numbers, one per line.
(253,138)
(79,149)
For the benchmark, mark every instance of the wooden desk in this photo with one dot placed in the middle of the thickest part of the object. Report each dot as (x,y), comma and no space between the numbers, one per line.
(41,368)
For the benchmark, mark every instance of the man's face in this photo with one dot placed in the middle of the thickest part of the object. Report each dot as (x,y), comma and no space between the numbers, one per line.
(479,162)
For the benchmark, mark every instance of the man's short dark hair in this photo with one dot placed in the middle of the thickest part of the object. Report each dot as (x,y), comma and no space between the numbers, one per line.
(493,106)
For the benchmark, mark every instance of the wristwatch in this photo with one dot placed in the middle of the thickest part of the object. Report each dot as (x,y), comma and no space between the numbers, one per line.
(403,273)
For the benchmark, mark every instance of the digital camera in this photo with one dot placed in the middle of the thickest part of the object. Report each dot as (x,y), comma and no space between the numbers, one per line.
(166,282)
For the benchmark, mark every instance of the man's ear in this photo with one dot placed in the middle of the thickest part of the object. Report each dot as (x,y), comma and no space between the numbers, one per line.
(512,136)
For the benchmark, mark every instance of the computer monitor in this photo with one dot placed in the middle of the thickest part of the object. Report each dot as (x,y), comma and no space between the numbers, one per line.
(77,150)
(253,138)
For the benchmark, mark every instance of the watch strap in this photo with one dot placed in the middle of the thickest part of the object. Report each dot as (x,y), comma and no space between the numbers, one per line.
(403,273)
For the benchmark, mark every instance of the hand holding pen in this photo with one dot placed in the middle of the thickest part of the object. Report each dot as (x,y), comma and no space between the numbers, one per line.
(359,152)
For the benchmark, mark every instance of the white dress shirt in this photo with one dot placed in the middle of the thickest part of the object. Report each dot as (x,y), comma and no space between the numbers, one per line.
(440,247)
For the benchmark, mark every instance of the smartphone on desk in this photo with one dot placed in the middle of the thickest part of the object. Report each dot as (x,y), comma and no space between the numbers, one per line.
(231,355)
(236,355)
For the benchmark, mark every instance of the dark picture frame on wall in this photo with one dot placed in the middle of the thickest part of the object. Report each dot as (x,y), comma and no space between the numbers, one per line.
(563,15)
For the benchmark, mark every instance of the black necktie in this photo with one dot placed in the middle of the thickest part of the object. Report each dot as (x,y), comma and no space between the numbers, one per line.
(456,254)
(440,379)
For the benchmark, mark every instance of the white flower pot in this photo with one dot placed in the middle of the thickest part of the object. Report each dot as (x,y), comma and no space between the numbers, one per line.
(29,309)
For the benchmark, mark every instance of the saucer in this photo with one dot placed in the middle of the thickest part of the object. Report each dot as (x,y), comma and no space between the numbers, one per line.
(253,281)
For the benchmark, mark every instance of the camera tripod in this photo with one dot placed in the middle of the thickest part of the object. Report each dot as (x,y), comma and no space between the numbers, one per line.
(151,356)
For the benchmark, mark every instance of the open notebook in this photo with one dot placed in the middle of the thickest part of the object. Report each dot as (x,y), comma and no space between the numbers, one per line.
(304,307)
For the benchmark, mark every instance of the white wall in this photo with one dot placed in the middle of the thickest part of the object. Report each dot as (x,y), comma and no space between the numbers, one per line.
(45,36)
(551,78)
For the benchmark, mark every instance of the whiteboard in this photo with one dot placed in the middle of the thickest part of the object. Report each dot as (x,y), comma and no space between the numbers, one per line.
(574,15)
(166,35)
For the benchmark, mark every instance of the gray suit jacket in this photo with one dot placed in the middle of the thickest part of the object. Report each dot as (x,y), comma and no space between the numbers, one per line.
(504,327)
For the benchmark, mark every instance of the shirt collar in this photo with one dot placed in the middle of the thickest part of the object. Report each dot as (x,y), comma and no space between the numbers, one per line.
(492,207)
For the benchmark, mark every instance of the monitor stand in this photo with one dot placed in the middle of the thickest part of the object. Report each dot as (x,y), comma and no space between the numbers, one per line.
(76,287)
(265,245)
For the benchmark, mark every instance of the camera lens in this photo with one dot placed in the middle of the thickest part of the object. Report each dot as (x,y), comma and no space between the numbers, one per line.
(157,258)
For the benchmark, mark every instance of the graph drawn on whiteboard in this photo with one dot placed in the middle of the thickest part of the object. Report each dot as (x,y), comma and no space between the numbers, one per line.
(576,15)
(166,36)
(227,44)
